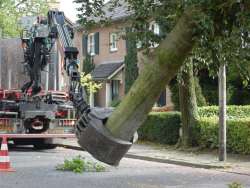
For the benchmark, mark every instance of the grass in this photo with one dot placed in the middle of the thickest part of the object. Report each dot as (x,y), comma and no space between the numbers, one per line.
(235,185)
(79,165)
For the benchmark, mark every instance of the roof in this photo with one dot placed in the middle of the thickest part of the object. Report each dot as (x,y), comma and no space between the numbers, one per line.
(106,70)
(119,12)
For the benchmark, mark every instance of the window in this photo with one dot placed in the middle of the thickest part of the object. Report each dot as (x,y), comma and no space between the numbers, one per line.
(91,44)
(113,42)
(245,36)
(155,28)
(138,44)
(115,89)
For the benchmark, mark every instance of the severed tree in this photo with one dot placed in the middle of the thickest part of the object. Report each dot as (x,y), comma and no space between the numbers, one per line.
(187,26)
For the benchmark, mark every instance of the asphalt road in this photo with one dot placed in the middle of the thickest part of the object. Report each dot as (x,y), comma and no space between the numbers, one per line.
(37,170)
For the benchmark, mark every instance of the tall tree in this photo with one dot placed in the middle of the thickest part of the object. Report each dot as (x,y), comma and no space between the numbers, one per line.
(88,64)
(188,103)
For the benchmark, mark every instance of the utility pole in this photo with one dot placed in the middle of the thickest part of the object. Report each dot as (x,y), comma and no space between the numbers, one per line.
(222,114)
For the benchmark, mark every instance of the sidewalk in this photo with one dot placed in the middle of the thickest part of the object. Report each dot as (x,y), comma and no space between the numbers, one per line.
(164,154)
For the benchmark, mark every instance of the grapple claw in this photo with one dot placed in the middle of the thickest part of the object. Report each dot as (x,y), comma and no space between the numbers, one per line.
(95,138)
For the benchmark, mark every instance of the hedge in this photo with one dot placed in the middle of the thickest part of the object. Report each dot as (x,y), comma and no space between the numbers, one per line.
(238,134)
(233,111)
(161,127)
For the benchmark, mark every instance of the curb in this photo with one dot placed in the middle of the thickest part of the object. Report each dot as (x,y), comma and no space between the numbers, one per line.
(175,162)
(159,160)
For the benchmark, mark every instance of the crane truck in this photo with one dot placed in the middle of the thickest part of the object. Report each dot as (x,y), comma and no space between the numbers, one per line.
(35,111)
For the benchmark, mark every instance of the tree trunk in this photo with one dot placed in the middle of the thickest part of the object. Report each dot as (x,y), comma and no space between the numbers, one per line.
(188,105)
(160,67)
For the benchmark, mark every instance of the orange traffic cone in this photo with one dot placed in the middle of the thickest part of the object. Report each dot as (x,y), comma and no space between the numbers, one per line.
(4,157)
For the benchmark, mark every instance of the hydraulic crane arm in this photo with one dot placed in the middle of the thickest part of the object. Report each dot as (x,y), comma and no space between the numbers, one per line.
(90,128)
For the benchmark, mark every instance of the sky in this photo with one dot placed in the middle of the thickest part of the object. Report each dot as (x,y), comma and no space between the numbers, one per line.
(69,9)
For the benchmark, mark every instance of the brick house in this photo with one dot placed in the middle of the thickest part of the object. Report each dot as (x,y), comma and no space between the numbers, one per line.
(108,51)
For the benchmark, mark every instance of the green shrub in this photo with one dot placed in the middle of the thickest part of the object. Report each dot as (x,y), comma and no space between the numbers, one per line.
(233,111)
(238,134)
(235,185)
(80,164)
(161,127)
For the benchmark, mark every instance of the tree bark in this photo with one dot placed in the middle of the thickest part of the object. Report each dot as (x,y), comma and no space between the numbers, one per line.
(188,105)
(160,67)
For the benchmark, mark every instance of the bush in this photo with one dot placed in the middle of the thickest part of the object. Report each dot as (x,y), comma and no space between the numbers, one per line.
(232,111)
(161,127)
(79,164)
(238,134)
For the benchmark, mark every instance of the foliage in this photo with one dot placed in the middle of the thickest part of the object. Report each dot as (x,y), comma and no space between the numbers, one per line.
(161,127)
(220,20)
(88,64)
(235,185)
(237,92)
(79,164)
(12,10)
(89,84)
(217,27)
(207,89)
(233,111)
(237,138)
(131,69)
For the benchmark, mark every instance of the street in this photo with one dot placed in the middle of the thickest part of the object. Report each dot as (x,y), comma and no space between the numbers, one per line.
(36,169)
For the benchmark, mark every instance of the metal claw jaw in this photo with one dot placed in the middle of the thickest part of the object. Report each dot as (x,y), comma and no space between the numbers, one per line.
(95,138)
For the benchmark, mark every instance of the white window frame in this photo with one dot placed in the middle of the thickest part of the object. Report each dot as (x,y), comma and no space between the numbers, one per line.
(91,44)
(155,28)
(113,39)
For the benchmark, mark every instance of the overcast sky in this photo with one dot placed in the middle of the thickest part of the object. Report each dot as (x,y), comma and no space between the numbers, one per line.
(69,9)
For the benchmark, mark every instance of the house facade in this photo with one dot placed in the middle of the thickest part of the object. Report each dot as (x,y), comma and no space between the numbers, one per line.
(107,50)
